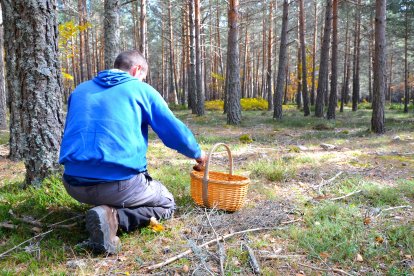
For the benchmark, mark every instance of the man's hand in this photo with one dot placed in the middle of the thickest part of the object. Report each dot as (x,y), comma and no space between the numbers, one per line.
(201,161)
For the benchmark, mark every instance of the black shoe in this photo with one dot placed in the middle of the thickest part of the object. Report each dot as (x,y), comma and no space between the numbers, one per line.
(102,225)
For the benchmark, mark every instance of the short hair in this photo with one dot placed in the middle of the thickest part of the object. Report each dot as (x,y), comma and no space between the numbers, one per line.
(125,60)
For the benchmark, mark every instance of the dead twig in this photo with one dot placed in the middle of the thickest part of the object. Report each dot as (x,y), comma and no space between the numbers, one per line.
(252,259)
(345,196)
(55,225)
(326,269)
(220,246)
(7,225)
(393,208)
(26,241)
(222,238)
(277,256)
(324,183)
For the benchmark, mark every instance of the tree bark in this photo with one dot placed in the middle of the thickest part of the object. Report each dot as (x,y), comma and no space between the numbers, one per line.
(143,28)
(406,88)
(111,31)
(305,95)
(173,76)
(357,51)
(3,98)
(192,84)
(333,100)
(34,82)
(233,74)
(315,31)
(269,73)
(378,101)
(198,68)
(323,67)
(281,71)
(346,65)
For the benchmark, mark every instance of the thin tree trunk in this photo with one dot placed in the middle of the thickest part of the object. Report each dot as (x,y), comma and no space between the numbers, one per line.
(192,84)
(233,75)
(245,61)
(3,100)
(281,72)
(333,101)
(323,68)
(346,57)
(406,88)
(355,81)
(34,82)
(143,28)
(111,31)
(198,72)
(306,110)
(269,73)
(378,101)
(173,77)
(315,34)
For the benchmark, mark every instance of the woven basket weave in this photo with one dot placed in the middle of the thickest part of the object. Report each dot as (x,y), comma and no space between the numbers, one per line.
(220,190)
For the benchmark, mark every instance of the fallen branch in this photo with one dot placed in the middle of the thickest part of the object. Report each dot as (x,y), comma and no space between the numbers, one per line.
(277,256)
(327,269)
(7,225)
(252,259)
(220,246)
(26,241)
(345,196)
(324,183)
(393,208)
(55,225)
(222,238)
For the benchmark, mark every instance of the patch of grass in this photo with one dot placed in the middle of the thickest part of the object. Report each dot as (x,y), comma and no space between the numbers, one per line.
(377,196)
(406,188)
(331,229)
(275,170)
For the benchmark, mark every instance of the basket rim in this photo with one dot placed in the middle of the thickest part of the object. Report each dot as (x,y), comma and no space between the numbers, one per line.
(244,181)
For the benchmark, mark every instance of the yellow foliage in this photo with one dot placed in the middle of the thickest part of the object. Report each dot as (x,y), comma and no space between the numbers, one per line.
(246,104)
(67,76)
(214,105)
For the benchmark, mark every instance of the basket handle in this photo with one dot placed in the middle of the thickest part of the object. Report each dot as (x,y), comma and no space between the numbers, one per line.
(205,178)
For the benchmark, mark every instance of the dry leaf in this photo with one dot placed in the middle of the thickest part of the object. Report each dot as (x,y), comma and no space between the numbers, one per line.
(367,220)
(408,257)
(155,225)
(359,258)
(186,268)
(324,255)
(379,239)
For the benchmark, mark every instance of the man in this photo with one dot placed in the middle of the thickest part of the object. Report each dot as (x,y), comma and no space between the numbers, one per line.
(104,150)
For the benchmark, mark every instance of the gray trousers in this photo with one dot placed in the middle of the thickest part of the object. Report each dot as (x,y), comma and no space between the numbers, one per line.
(136,199)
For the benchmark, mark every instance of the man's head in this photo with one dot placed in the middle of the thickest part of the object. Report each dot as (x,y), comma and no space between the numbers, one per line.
(132,62)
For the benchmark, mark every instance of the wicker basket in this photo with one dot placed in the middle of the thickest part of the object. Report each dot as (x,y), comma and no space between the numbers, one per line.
(219,190)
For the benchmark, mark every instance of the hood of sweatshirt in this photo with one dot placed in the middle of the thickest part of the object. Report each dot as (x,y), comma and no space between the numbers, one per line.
(112,77)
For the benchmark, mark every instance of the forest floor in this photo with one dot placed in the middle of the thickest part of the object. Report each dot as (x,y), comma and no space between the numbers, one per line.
(325,198)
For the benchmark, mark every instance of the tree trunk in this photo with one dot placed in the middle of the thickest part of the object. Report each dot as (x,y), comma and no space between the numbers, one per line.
(269,73)
(34,82)
(306,110)
(315,34)
(173,76)
(198,73)
(333,100)
(82,63)
(3,101)
(346,65)
(281,71)
(111,31)
(245,61)
(406,88)
(143,28)
(323,67)
(357,51)
(378,101)
(233,74)
(192,84)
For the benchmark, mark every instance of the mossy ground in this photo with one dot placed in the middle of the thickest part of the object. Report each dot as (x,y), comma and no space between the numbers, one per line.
(360,234)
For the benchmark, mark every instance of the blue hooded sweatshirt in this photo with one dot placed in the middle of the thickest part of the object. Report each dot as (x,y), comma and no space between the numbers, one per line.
(106,131)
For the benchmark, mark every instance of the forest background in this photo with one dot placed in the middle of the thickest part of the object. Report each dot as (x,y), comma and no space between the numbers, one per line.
(288,59)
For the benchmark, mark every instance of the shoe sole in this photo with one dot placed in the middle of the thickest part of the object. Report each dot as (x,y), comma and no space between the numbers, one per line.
(99,231)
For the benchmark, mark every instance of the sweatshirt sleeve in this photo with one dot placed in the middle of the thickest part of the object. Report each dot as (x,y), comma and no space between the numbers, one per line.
(173,133)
